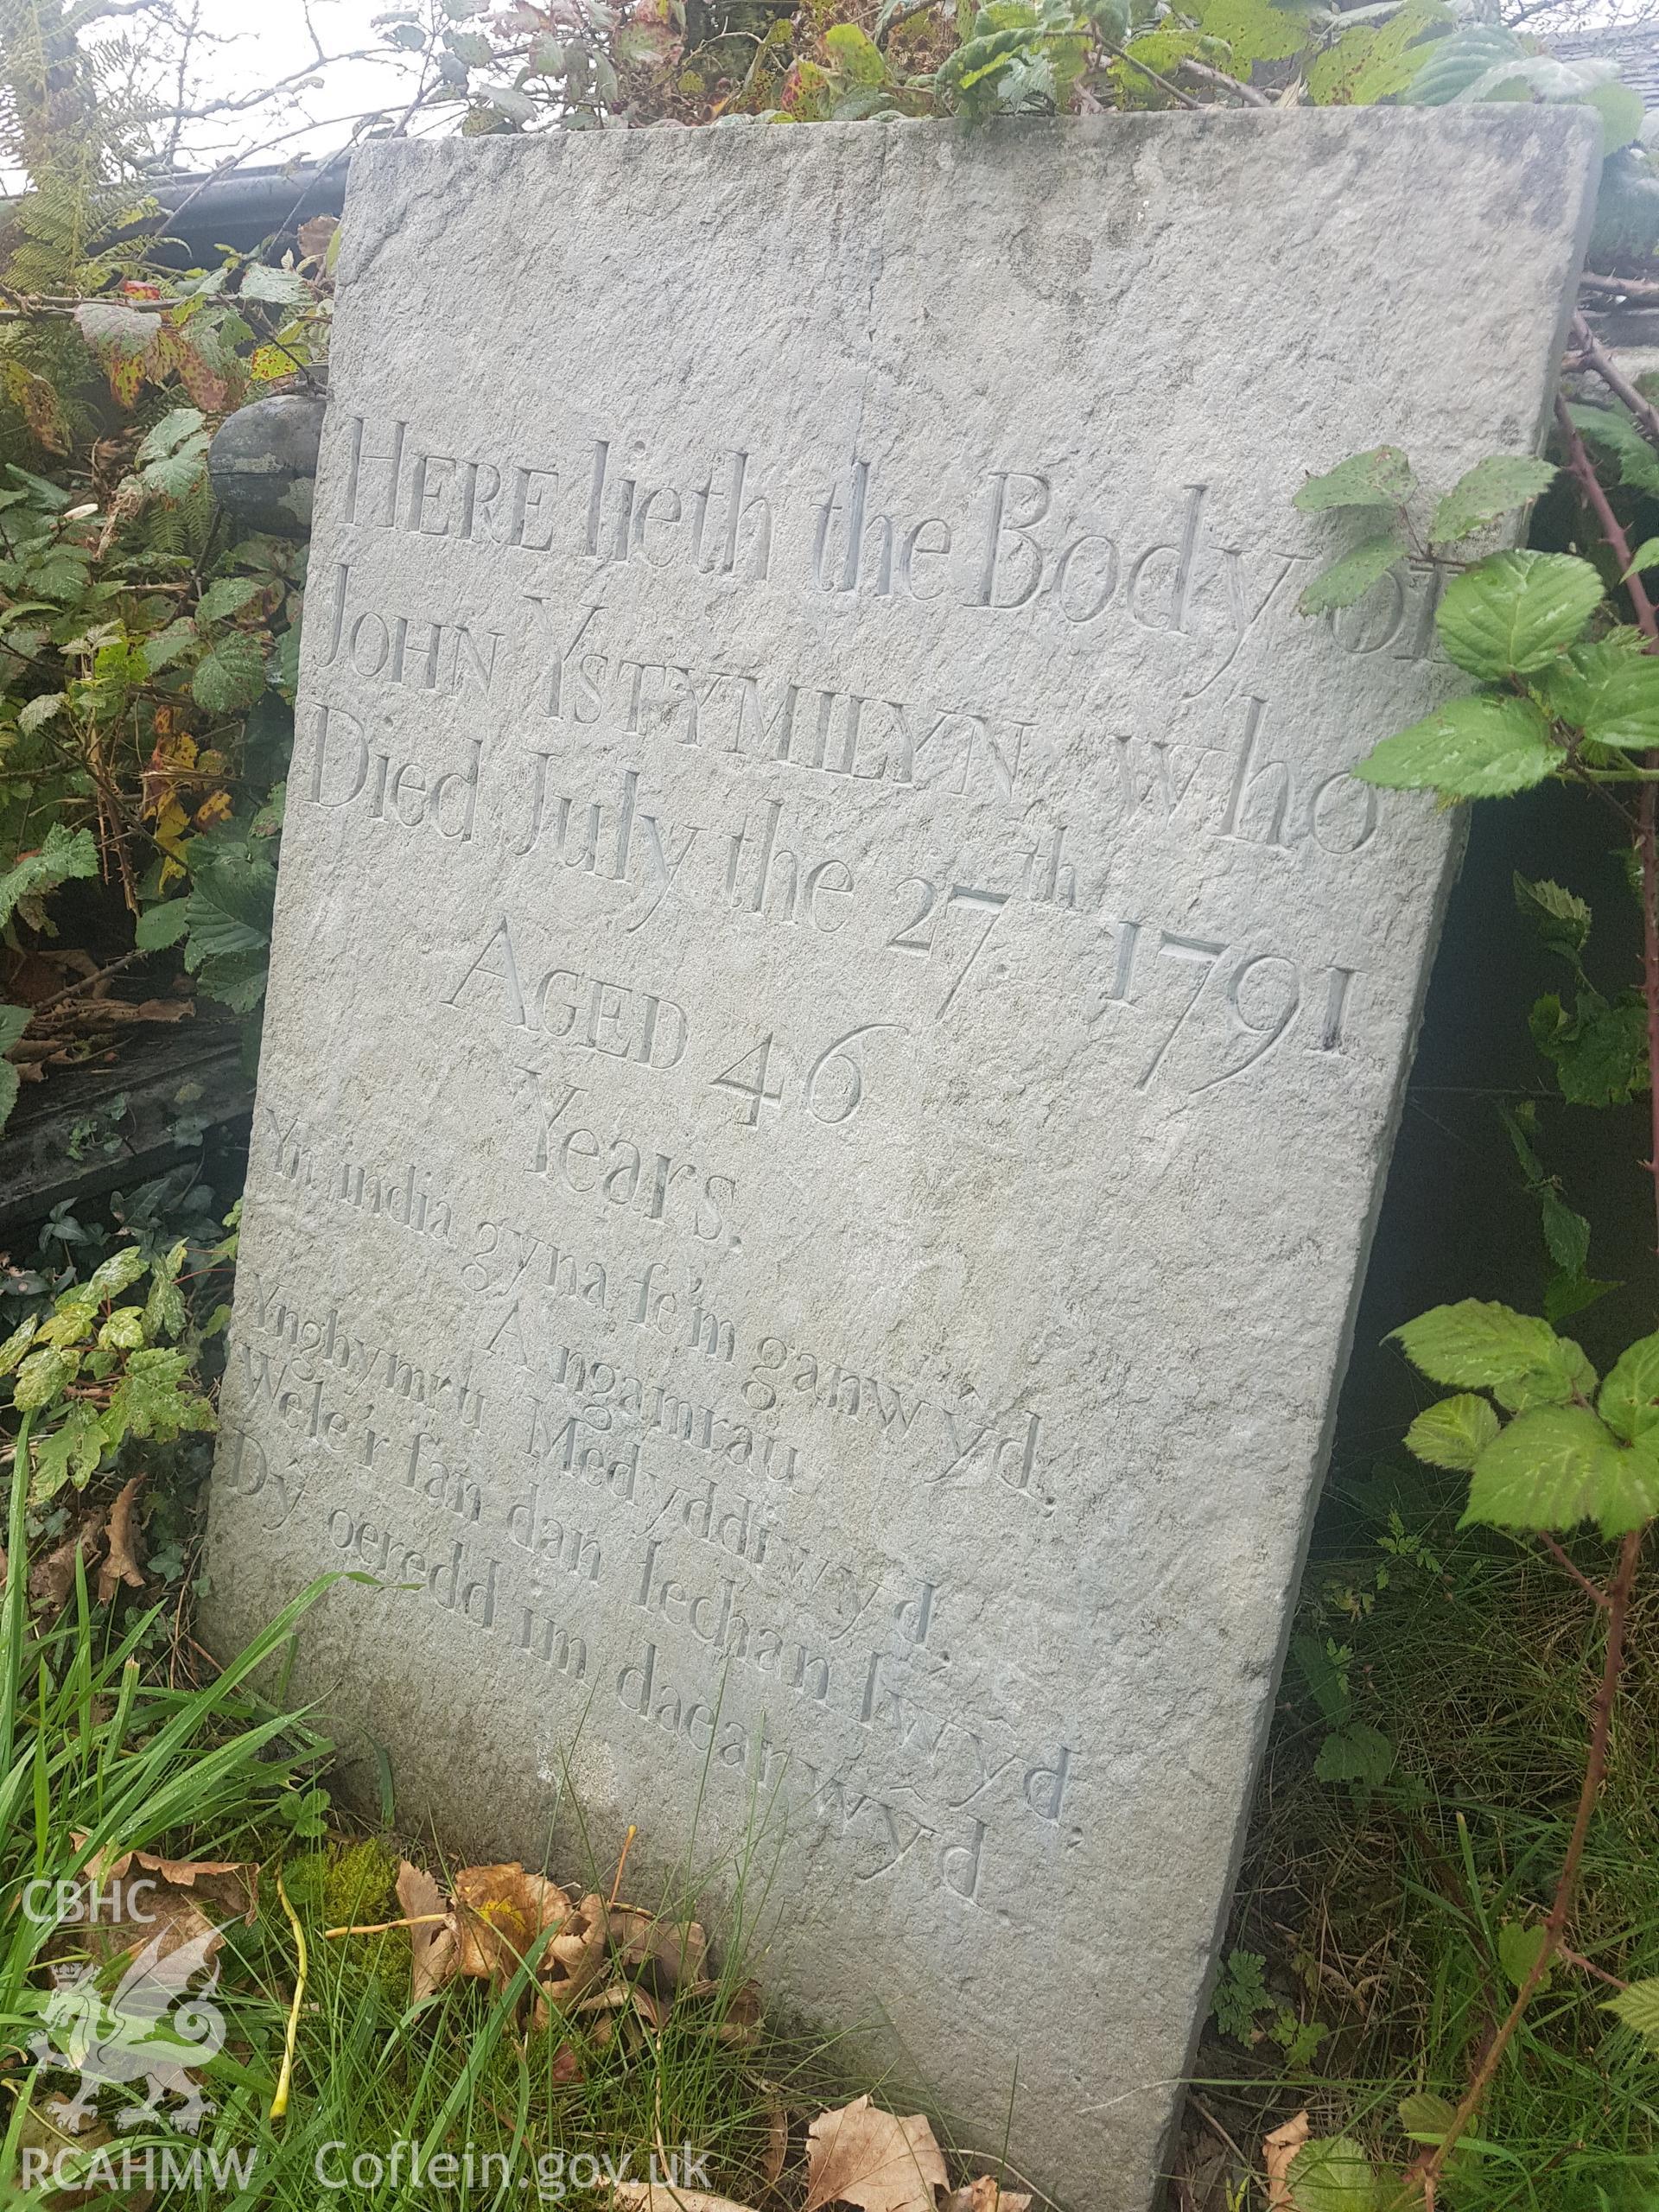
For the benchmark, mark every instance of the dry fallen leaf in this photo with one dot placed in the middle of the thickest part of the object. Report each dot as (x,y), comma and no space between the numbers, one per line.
(499,1912)
(432,1951)
(984,2194)
(574,1959)
(861,2155)
(1277,2152)
(123,1563)
(52,1578)
(668,1951)
(776,2151)
(182,1910)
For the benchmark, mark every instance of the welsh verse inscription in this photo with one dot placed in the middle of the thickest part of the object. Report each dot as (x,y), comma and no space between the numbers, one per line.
(836,1018)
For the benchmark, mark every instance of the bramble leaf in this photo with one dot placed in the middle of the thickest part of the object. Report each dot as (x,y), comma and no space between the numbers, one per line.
(1638,2008)
(1482,747)
(1629,1397)
(1476,1345)
(1556,1465)
(1356,1753)
(1519,1948)
(1561,919)
(1513,612)
(1454,1433)
(1348,578)
(1600,1052)
(64,855)
(1491,488)
(230,674)
(1381,478)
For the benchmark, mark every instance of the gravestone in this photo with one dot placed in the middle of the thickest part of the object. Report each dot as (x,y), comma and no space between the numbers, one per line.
(837,1018)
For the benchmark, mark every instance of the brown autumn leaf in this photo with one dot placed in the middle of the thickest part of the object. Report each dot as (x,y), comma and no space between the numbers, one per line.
(183,1910)
(876,2160)
(1278,2150)
(123,1561)
(52,1578)
(432,1950)
(777,2149)
(985,2194)
(313,235)
(574,1959)
(670,1954)
(498,1913)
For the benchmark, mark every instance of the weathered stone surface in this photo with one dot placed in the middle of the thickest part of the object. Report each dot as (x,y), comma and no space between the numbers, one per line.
(826,1085)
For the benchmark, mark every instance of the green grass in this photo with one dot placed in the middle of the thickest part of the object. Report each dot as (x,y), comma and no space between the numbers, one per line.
(1378,1912)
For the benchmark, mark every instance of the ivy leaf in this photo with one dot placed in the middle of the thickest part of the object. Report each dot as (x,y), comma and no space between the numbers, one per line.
(1638,2008)
(1476,1343)
(1454,1433)
(44,1375)
(1513,612)
(71,1453)
(1556,1465)
(1600,1052)
(1381,478)
(226,597)
(1358,1754)
(119,1273)
(1348,580)
(1629,1397)
(1333,2174)
(1487,745)
(64,855)
(230,675)
(1492,487)
(1561,919)
(151,1399)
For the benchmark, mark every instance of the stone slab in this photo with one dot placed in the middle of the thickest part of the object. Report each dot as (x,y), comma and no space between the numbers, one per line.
(837,1018)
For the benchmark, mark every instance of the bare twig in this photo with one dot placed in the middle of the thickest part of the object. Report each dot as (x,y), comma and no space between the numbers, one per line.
(1175,93)
(1219,78)
(1578,462)
(1593,350)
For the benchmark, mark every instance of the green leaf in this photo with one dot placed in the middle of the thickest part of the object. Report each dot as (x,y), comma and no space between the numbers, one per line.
(71,1453)
(1255,30)
(1477,1344)
(18,1343)
(152,1399)
(1645,556)
(1638,2008)
(1455,63)
(1623,708)
(164,1312)
(171,433)
(1348,578)
(123,1331)
(1555,1466)
(1356,1754)
(1563,1373)
(1333,2174)
(32,875)
(1241,1993)
(35,713)
(1566,1234)
(1565,1295)
(1561,919)
(1381,478)
(165,645)
(1614,429)
(1513,612)
(230,675)
(14,1020)
(1369,62)
(1621,110)
(158,927)
(43,1375)
(1629,1397)
(1454,1433)
(1492,487)
(281,287)
(1600,1052)
(1424,2118)
(1487,745)
(856,55)
(119,1273)
(1518,1951)
(227,596)
(471,47)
